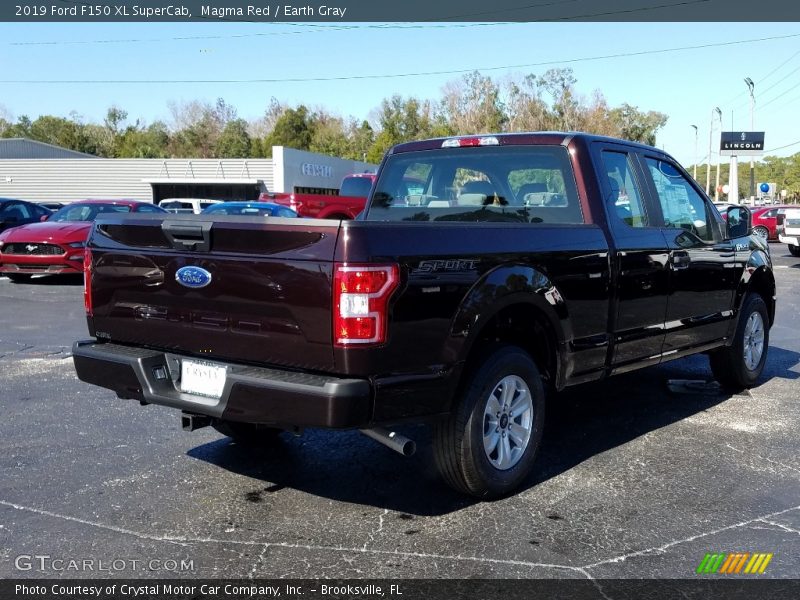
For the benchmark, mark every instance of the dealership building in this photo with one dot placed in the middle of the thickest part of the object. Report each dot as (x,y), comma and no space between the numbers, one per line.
(35,171)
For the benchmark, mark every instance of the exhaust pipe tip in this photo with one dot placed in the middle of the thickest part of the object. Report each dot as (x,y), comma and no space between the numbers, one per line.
(392,440)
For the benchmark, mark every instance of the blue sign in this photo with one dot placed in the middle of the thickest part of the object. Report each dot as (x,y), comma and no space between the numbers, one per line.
(193,277)
(764,187)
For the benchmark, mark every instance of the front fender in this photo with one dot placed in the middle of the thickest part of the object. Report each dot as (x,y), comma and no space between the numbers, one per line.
(756,276)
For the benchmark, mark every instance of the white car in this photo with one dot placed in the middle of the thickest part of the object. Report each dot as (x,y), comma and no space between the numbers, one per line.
(186,205)
(791,230)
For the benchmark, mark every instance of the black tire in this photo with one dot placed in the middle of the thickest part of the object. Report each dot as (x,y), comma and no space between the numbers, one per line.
(458,441)
(19,277)
(729,364)
(250,435)
(794,250)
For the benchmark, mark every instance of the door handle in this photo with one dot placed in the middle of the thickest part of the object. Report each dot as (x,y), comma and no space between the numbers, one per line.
(681,260)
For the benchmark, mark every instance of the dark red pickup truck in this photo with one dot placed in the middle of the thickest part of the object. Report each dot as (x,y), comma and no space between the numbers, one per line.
(523,264)
(347,204)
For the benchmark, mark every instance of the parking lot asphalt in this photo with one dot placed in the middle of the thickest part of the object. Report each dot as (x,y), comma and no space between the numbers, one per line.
(638,477)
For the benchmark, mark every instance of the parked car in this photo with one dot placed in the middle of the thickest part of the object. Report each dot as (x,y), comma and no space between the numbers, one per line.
(765,221)
(56,246)
(510,274)
(53,206)
(186,205)
(250,209)
(789,229)
(14,213)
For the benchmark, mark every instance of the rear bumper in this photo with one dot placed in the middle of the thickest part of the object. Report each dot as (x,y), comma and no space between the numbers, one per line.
(251,394)
(792,240)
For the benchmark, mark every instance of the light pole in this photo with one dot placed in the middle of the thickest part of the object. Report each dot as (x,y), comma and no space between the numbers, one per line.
(751,86)
(708,161)
(716,187)
(694,173)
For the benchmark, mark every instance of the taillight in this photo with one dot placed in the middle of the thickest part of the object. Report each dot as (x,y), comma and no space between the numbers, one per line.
(87,281)
(361,302)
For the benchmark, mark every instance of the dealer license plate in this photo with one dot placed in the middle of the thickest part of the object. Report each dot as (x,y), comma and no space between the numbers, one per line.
(202,378)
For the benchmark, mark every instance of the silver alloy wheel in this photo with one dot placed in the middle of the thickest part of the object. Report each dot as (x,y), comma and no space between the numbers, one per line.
(753,341)
(761,231)
(507,422)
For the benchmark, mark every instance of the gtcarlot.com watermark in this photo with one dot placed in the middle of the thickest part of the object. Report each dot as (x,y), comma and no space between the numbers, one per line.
(44,563)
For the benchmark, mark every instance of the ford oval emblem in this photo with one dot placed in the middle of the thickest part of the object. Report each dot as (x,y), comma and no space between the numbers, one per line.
(193,277)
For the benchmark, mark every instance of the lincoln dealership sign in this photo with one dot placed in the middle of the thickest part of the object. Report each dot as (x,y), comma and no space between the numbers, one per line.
(741,143)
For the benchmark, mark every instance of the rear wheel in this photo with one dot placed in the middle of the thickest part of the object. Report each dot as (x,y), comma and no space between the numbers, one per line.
(488,444)
(248,434)
(761,231)
(19,277)
(739,365)
(794,250)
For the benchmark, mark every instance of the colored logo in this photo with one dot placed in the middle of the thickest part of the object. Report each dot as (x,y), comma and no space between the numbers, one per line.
(734,563)
(193,277)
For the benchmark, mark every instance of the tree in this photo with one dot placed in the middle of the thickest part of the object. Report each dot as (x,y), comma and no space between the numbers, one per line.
(234,141)
(293,129)
(472,105)
(638,126)
(144,142)
(329,135)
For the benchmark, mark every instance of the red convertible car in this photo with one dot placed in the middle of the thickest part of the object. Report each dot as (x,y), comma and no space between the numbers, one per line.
(56,245)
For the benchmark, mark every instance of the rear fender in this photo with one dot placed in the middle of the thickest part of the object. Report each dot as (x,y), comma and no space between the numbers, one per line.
(504,287)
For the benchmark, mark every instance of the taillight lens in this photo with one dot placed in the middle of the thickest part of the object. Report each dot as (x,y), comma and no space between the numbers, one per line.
(87,281)
(361,302)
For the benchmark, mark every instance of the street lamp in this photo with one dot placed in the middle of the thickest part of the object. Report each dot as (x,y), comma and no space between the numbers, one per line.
(751,86)
(708,161)
(694,173)
(716,187)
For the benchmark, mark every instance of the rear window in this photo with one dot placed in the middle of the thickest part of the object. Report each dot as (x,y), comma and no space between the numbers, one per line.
(356,186)
(523,184)
(173,204)
(87,212)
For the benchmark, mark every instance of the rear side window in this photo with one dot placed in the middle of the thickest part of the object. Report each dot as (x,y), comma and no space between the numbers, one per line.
(625,201)
(522,184)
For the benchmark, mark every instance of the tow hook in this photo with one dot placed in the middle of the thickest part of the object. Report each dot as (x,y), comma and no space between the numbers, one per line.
(191,421)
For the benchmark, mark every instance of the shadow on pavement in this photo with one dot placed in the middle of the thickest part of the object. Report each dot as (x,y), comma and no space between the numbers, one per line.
(581,422)
(54,280)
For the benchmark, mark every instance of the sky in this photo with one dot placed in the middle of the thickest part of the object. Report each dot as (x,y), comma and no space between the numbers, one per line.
(684,84)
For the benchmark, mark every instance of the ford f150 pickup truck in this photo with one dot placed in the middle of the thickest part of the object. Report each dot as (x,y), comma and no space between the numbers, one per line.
(347,204)
(523,264)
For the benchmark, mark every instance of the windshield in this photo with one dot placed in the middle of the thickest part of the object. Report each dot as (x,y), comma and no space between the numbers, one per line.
(356,186)
(524,184)
(87,212)
(255,210)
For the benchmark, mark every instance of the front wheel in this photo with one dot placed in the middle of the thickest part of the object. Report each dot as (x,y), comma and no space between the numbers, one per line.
(488,444)
(740,365)
(761,231)
(794,250)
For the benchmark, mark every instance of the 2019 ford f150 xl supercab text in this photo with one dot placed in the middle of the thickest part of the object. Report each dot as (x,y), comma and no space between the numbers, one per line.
(523,264)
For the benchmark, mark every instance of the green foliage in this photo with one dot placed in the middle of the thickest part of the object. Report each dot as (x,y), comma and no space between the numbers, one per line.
(234,141)
(293,129)
(472,104)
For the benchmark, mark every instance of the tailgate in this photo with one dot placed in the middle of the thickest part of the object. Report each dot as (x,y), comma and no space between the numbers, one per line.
(251,290)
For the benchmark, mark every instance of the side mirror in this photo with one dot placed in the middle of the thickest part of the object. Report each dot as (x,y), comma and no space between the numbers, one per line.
(740,222)
(44,218)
